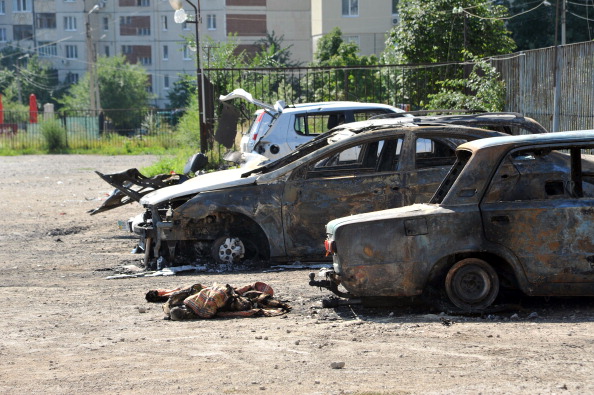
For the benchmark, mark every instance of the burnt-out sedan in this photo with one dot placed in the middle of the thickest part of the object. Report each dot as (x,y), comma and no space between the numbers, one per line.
(514,212)
(277,212)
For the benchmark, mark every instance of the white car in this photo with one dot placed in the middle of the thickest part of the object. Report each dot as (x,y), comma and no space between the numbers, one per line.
(279,129)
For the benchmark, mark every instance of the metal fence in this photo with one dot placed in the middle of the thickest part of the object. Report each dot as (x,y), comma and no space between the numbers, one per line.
(553,85)
(88,129)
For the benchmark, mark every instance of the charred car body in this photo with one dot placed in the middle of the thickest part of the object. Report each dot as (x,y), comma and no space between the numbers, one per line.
(277,212)
(513,212)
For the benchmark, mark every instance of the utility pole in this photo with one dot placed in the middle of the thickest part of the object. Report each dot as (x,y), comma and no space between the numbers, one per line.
(92,66)
(181,17)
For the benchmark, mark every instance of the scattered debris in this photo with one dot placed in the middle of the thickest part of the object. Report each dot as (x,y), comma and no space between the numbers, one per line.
(337,365)
(67,231)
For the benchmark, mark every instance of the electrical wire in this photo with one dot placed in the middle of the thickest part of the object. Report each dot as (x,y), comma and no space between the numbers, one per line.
(507,17)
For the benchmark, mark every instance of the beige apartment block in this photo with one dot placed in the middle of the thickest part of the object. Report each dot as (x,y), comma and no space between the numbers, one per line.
(72,34)
(365,22)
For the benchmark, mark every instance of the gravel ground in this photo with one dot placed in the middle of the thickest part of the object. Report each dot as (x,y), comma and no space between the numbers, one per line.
(66,328)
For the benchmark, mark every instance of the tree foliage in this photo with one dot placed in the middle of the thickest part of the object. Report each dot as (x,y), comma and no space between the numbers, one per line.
(483,90)
(271,52)
(122,90)
(443,31)
(22,74)
(433,31)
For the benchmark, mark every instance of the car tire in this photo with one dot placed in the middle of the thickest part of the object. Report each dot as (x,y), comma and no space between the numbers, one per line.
(233,249)
(472,284)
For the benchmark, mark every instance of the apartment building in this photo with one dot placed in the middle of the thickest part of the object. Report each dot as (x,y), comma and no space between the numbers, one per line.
(70,34)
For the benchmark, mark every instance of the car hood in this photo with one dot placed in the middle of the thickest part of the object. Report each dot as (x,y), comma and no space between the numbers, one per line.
(393,213)
(205,182)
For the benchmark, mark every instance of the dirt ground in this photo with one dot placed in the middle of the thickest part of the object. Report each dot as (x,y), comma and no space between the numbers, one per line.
(66,328)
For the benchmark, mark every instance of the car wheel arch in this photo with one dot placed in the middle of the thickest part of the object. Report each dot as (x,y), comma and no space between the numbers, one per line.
(509,276)
(242,226)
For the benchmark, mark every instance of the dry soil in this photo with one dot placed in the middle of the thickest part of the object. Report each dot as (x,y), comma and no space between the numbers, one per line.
(65,328)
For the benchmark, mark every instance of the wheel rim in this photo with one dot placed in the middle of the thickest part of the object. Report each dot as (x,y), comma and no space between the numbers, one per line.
(231,250)
(472,284)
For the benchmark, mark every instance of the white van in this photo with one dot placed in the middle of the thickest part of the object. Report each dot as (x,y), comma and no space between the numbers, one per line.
(278,129)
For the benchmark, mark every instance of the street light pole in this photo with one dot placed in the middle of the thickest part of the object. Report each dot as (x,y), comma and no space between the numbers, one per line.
(181,17)
(92,60)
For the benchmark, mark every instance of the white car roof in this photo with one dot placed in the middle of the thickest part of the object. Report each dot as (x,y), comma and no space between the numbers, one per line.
(280,105)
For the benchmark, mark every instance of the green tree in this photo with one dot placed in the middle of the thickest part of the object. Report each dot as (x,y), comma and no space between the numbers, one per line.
(22,74)
(348,84)
(483,90)
(433,31)
(122,90)
(179,95)
(533,23)
(272,53)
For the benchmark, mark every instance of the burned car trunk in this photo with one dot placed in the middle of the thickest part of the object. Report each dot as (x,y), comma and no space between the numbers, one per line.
(513,212)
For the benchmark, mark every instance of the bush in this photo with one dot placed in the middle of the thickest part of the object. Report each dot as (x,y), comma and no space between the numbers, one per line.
(54,135)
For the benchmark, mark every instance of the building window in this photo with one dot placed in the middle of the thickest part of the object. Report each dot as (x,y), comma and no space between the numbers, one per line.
(47,49)
(164,22)
(350,7)
(126,49)
(45,20)
(353,39)
(143,3)
(2,7)
(3,37)
(69,23)
(145,61)
(166,82)
(105,23)
(394,7)
(107,54)
(211,20)
(185,26)
(187,52)
(22,5)
(22,32)
(165,52)
(125,20)
(72,78)
(143,31)
(71,52)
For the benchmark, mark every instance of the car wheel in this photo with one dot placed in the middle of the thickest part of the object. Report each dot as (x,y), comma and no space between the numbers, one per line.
(472,284)
(229,249)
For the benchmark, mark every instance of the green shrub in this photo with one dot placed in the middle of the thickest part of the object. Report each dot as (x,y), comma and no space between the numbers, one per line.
(54,135)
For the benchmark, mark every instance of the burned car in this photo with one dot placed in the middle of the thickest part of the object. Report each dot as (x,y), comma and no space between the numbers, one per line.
(513,212)
(277,212)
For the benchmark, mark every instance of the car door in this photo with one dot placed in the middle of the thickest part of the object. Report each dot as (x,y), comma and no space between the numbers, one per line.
(349,180)
(427,160)
(540,206)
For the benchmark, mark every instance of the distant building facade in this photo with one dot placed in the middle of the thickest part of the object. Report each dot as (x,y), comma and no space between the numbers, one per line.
(70,34)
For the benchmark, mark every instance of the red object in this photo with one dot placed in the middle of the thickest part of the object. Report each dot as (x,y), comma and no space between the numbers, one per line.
(1,110)
(32,108)
(330,247)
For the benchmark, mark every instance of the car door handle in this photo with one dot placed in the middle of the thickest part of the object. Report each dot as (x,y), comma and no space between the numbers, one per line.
(501,219)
